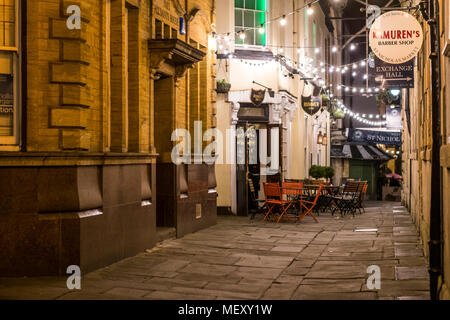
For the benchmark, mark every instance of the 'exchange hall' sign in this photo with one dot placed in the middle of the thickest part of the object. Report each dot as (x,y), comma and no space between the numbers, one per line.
(389,75)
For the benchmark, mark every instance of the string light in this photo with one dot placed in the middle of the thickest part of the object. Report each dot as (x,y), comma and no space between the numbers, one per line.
(241,35)
(261,29)
(362,118)
(310,71)
(283,21)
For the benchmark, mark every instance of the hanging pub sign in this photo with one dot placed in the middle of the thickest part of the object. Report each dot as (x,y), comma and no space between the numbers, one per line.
(388,75)
(388,138)
(394,118)
(257,97)
(396,37)
(312,104)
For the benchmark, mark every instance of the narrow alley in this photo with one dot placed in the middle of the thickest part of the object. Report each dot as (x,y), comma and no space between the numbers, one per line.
(252,259)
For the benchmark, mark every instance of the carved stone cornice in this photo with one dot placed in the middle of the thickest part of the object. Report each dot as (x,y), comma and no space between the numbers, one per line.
(275,113)
(179,8)
(158,58)
(180,70)
(235,106)
(176,53)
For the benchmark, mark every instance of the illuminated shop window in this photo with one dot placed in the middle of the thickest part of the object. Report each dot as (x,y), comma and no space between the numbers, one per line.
(9,65)
(250,17)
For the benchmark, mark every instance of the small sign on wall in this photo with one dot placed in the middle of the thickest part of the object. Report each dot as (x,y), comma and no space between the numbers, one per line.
(389,75)
(198,211)
(446,24)
(182,26)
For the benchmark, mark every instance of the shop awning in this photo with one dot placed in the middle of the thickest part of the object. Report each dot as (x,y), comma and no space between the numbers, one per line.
(359,152)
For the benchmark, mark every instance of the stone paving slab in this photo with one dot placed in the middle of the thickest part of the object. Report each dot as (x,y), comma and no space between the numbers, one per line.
(244,259)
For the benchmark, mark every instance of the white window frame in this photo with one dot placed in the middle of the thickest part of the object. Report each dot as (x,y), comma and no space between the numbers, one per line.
(266,27)
(11,143)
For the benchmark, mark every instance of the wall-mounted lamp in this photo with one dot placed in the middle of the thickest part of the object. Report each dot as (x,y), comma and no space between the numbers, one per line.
(320,138)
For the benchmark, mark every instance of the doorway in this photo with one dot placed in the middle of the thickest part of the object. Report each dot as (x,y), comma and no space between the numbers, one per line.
(166,172)
(365,171)
(250,172)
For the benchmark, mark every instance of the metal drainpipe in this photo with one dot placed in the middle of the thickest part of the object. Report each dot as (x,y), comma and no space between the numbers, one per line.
(435,268)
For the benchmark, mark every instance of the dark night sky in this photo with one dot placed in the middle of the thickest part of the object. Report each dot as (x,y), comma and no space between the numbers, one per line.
(359,103)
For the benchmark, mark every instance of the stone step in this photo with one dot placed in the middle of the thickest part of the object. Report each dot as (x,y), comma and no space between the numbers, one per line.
(165,233)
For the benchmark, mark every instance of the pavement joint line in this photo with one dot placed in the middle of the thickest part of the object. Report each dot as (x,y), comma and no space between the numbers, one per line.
(313,257)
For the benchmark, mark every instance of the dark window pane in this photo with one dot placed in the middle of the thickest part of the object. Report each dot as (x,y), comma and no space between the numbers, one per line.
(250,36)
(238,40)
(260,38)
(261,5)
(250,4)
(6,104)
(238,17)
(260,18)
(249,19)
(239,3)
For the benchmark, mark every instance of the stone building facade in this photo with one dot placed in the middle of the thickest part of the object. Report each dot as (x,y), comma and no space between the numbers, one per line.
(270,55)
(86,125)
(417,144)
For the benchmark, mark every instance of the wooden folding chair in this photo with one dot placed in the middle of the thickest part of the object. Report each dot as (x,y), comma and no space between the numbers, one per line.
(258,205)
(292,191)
(348,200)
(362,197)
(274,201)
(308,205)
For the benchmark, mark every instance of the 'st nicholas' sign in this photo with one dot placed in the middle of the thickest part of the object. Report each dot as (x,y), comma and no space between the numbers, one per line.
(396,37)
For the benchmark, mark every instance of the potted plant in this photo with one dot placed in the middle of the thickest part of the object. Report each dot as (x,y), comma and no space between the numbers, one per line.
(385,98)
(223,86)
(339,114)
(316,172)
(333,107)
(328,173)
(325,100)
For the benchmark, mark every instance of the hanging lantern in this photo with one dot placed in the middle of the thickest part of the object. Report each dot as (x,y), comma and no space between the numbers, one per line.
(324,140)
(320,138)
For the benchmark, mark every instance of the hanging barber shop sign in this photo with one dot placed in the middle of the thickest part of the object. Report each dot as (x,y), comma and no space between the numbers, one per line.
(311,105)
(396,37)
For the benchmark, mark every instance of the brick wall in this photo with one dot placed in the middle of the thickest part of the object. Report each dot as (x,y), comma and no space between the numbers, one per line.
(90,90)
